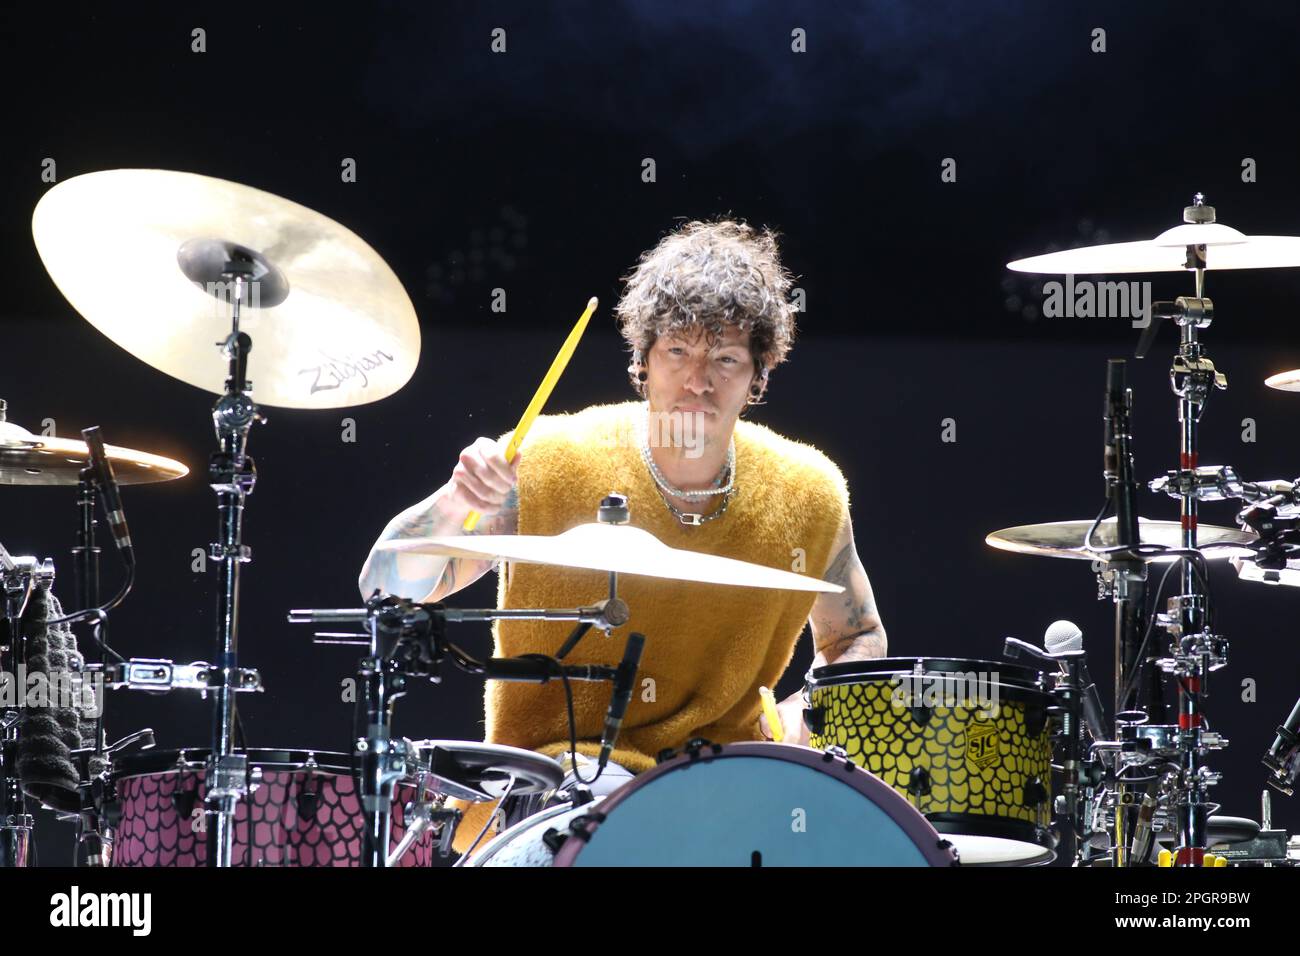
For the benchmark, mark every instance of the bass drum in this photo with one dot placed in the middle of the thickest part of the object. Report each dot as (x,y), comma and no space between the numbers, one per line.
(743,804)
(305,812)
(967,742)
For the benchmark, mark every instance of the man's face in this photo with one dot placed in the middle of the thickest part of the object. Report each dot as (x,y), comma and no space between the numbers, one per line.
(709,386)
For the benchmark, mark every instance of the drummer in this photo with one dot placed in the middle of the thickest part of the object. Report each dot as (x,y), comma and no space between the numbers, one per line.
(706,316)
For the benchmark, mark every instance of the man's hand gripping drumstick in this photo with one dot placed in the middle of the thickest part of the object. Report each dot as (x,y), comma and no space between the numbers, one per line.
(480,498)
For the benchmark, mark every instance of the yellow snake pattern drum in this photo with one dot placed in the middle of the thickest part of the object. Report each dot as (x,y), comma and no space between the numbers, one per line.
(968,742)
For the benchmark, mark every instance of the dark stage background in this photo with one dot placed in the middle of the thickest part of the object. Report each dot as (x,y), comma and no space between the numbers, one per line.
(523,170)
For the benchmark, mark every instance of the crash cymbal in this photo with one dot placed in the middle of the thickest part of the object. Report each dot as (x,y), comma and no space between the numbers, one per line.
(27,459)
(1064,539)
(1285,381)
(1226,248)
(606,547)
(133,251)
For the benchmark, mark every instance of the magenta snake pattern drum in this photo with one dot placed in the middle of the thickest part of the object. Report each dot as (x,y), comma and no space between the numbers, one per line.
(305,812)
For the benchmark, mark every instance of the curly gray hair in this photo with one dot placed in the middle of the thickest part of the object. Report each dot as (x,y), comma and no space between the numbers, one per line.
(706,275)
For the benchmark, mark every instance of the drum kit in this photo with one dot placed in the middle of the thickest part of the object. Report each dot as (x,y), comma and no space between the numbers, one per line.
(913,761)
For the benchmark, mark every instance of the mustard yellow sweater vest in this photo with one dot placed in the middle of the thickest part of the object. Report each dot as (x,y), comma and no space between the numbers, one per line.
(708,647)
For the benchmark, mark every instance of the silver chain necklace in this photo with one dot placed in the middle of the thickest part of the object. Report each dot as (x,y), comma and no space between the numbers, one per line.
(692,519)
(665,485)
(688,518)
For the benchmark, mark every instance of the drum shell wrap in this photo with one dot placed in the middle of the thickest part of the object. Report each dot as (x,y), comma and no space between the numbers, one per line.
(992,762)
(289,826)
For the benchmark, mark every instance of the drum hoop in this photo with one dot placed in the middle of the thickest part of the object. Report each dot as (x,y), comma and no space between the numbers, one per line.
(194,760)
(507,837)
(537,774)
(983,825)
(931,845)
(1015,681)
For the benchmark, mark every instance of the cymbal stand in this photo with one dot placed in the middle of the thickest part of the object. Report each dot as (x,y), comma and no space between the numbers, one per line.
(93,845)
(405,638)
(1194,650)
(232,475)
(18,576)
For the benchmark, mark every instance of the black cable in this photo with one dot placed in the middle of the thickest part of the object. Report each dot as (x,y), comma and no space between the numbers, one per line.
(1151,620)
(1096,522)
(573,736)
(1195,559)
(96,611)
(473,665)
(98,633)
(573,722)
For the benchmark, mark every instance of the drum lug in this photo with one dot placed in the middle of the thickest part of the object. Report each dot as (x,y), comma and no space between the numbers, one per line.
(814,718)
(554,839)
(833,751)
(1034,793)
(1046,837)
(184,800)
(307,802)
(692,748)
(105,797)
(580,795)
(696,746)
(947,847)
(579,827)
(447,821)
(918,782)
(1035,720)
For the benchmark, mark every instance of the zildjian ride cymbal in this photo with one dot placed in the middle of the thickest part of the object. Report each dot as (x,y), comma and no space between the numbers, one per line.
(140,253)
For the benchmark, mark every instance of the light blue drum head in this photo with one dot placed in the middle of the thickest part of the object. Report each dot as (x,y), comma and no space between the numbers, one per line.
(748,811)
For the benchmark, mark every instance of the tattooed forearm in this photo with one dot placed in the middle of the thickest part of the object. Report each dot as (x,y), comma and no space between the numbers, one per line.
(427,577)
(865,646)
(857,613)
(847,626)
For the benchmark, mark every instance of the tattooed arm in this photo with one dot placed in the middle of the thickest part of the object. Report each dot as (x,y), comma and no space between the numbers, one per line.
(482,482)
(845,627)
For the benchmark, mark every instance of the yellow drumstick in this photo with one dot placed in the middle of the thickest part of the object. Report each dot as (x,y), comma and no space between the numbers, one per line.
(542,394)
(773,716)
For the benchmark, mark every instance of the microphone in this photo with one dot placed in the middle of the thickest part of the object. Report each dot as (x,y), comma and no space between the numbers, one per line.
(1062,638)
(1283,758)
(1117,457)
(624,683)
(542,670)
(107,482)
(1114,415)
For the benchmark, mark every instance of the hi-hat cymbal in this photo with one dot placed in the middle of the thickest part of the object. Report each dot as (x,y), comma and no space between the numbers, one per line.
(27,459)
(1064,539)
(1285,381)
(605,547)
(133,251)
(1226,248)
